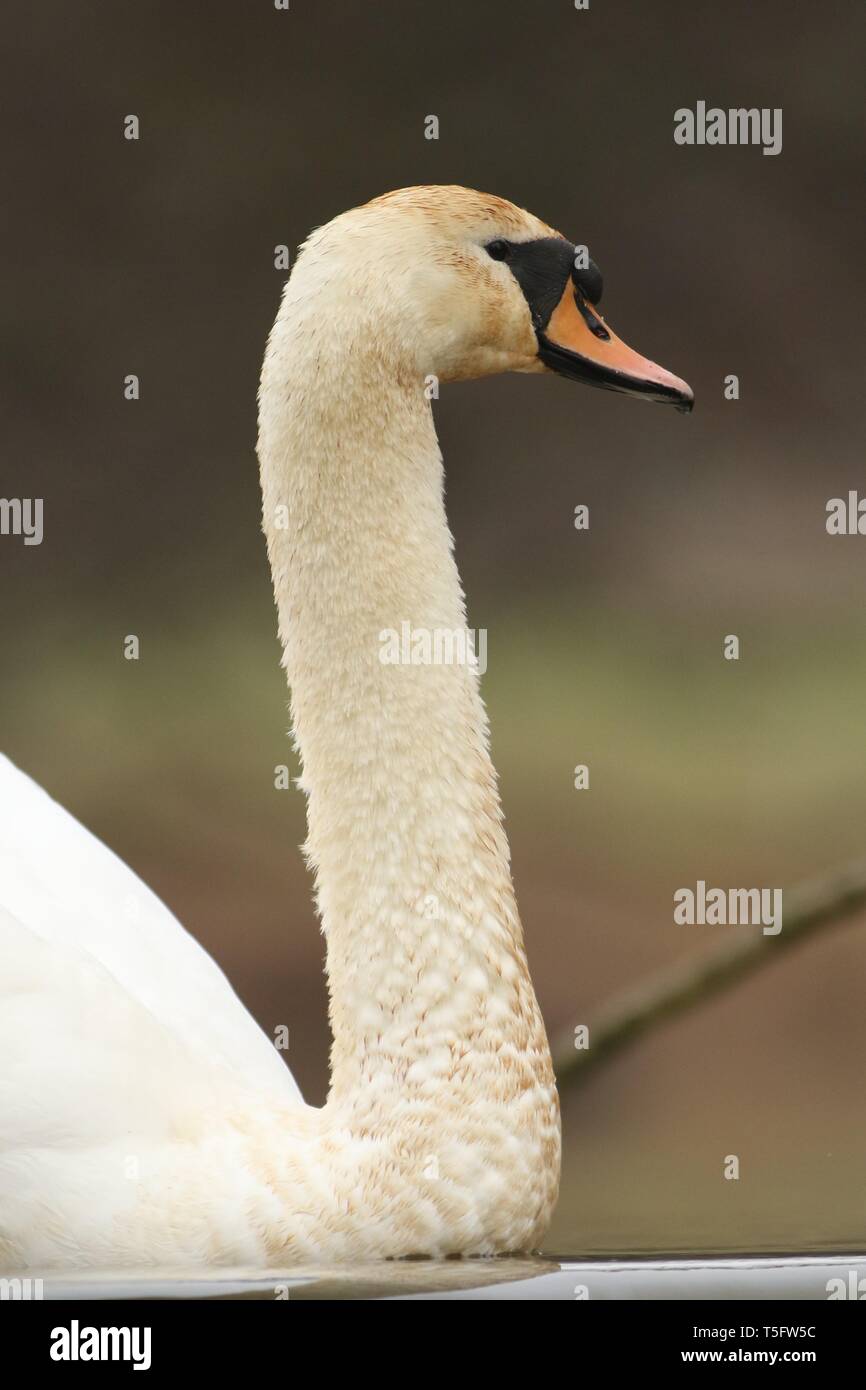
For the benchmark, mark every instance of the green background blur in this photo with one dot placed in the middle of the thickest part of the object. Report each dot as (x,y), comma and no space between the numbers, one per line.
(605,647)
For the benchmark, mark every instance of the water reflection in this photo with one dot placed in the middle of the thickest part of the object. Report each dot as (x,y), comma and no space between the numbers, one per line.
(708,1278)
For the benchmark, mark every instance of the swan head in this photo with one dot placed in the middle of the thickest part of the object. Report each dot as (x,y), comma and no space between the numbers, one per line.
(459,284)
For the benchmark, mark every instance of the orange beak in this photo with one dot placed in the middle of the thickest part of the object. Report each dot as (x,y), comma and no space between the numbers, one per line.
(577,342)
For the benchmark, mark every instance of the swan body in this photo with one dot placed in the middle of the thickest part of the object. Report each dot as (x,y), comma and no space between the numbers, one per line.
(144,1118)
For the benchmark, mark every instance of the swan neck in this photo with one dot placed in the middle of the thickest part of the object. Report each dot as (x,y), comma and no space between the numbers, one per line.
(425,955)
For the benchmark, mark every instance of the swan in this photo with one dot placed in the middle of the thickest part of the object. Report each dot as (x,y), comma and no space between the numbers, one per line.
(145,1120)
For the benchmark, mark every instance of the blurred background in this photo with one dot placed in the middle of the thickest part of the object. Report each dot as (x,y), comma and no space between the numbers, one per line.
(605,647)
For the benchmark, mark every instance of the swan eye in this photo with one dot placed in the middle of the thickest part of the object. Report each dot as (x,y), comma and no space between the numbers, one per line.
(498,250)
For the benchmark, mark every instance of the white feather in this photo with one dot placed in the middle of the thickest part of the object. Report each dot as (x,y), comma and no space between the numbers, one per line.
(83,936)
(144,1118)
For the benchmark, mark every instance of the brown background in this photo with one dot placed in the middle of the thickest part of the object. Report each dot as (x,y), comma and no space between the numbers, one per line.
(605,648)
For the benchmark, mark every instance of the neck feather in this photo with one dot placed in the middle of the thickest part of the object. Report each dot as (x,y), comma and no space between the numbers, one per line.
(425,956)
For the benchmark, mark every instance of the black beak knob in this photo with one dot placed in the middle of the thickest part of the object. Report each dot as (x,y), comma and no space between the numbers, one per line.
(589,281)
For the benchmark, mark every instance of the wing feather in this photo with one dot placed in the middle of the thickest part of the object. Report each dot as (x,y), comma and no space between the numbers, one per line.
(92,958)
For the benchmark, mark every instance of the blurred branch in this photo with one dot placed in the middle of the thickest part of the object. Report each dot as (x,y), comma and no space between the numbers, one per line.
(810,908)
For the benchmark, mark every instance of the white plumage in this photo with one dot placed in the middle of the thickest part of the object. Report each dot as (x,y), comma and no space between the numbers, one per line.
(65,896)
(144,1117)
